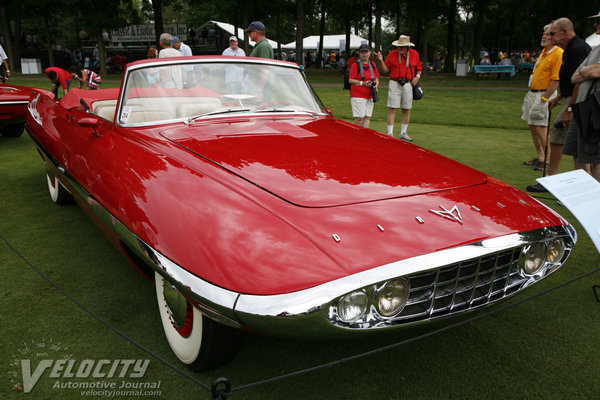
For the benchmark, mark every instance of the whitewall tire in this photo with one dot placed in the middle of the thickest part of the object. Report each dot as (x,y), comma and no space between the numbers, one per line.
(196,340)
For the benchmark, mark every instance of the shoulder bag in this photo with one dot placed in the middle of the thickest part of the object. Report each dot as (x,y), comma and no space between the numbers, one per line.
(587,115)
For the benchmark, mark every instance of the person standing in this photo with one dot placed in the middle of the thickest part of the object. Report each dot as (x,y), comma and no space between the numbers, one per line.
(585,152)
(363,77)
(59,78)
(575,51)
(543,84)
(234,49)
(234,74)
(404,66)
(257,33)
(594,39)
(5,72)
(183,48)
(170,77)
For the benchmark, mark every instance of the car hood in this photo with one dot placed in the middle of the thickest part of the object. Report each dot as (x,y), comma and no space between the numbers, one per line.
(321,162)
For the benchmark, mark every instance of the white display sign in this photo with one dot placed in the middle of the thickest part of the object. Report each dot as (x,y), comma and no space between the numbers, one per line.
(580,193)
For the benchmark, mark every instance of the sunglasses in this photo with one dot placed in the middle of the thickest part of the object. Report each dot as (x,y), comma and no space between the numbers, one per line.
(553,33)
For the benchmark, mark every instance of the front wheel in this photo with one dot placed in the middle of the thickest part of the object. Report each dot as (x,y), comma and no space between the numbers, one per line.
(198,341)
(58,193)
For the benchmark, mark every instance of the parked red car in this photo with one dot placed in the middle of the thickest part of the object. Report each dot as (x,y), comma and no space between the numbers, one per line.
(13,103)
(254,208)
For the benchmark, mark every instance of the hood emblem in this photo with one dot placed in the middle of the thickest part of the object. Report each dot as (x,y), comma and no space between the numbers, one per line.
(453,214)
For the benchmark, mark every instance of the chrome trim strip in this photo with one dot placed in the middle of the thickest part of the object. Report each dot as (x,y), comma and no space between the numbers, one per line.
(3,103)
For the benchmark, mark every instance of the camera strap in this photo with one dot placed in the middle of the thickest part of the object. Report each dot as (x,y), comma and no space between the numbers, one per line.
(362,70)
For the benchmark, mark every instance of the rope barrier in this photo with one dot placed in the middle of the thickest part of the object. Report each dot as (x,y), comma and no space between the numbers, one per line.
(221,387)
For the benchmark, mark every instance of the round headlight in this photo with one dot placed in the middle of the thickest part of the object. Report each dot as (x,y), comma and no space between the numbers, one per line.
(556,250)
(392,297)
(353,306)
(534,258)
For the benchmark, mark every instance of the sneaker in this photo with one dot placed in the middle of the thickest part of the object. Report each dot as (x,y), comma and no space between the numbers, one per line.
(404,136)
(531,162)
(538,188)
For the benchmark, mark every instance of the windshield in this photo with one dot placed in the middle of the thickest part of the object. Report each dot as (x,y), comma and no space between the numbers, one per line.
(158,92)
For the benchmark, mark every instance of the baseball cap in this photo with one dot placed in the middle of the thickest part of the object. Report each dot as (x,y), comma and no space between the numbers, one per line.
(256,26)
(364,47)
(233,39)
(175,40)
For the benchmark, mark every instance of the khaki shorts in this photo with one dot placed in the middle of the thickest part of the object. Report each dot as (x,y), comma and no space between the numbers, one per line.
(361,107)
(400,96)
(559,134)
(535,111)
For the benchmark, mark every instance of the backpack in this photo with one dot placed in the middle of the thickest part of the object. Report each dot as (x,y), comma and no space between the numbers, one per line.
(347,73)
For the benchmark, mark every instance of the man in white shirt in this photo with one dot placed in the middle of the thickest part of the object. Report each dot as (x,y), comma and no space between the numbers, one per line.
(594,39)
(183,48)
(170,77)
(4,63)
(234,75)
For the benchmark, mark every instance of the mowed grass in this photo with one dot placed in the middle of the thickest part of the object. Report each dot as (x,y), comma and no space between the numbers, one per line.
(544,348)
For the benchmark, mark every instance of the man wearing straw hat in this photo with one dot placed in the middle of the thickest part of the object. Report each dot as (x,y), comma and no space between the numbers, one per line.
(594,39)
(404,66)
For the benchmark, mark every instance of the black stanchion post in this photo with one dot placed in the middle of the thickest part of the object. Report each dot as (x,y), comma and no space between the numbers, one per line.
(595,289)
(220,393)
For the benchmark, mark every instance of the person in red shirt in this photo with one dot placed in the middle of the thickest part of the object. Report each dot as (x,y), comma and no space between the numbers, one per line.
(361,92)
(404,66)
(58,77)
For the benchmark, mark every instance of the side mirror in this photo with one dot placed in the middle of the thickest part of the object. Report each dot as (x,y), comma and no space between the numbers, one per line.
(85,105)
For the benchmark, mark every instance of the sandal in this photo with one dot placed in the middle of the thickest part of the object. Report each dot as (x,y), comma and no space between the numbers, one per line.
(530,162)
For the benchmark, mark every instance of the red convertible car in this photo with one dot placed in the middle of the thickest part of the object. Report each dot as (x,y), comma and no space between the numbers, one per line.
(13,105)
(255,209)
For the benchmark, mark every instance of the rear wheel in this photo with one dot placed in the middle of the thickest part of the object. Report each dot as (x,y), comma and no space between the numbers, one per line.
(198,341)
(13,130)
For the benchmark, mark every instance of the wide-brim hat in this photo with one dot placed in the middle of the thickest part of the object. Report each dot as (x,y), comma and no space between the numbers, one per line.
(595,16)
(402,41)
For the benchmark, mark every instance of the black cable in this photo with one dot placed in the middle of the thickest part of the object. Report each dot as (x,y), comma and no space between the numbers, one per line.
(414,339)
(104,322)
(230,391)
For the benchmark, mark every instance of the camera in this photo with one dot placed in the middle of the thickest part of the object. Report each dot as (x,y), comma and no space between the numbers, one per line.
(402,81)
(374,92)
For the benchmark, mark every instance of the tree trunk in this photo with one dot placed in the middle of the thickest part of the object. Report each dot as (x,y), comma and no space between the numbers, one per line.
(449,62)
(48,41)
(377,26)
(101,55)
(159,27)
(321,35)
(300,32)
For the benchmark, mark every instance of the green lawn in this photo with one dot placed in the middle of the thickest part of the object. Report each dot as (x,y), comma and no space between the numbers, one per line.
(546,348)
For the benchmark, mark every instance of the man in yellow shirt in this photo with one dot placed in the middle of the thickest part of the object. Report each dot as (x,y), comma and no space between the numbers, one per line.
(543,84)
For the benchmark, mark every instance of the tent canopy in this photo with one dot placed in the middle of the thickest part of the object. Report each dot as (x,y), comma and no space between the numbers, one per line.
(330,42)
(240,33)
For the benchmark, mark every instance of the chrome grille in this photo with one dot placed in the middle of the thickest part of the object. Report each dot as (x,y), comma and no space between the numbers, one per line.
(463,286)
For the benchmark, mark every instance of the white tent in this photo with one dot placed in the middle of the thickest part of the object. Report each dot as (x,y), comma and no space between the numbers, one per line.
(240,33)
(330,42)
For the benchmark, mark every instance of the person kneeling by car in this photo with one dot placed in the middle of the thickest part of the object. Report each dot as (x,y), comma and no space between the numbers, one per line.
(90,79)
(364,81)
